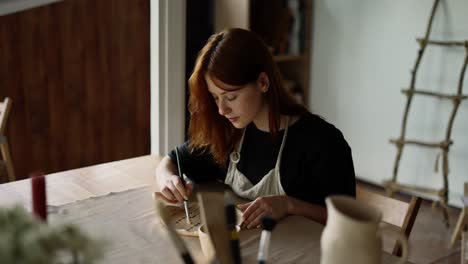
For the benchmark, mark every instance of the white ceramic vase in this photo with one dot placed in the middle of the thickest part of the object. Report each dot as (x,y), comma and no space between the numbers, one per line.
(353,233)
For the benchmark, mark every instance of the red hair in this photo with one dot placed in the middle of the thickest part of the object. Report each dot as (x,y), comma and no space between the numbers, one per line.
(235,57)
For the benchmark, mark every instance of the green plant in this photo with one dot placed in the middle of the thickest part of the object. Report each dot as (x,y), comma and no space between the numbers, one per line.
(24,240)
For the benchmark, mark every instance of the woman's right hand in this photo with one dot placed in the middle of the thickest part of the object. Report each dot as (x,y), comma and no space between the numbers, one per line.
(173,190)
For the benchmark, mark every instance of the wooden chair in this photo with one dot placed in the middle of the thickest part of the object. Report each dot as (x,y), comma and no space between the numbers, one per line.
(462,221)
(394,212)
(5,108)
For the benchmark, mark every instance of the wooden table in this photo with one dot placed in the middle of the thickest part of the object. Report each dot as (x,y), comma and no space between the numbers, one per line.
(294,240)
(74,185)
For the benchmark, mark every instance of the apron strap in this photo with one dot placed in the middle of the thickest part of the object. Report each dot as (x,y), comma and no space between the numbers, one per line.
(278,160)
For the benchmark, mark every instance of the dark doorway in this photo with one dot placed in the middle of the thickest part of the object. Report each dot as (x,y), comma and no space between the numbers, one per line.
(200,26)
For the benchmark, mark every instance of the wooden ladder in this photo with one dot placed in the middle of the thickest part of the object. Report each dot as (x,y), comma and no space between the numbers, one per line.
(392,185)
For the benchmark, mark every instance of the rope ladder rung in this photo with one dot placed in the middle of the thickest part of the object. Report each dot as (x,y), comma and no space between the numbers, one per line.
(452,43)
(441,144)
(408,91)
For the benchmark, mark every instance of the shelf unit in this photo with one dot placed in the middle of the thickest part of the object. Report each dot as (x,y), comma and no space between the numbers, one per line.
(269,18)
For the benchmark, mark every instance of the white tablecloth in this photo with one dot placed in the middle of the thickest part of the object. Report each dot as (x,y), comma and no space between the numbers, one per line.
(128,222)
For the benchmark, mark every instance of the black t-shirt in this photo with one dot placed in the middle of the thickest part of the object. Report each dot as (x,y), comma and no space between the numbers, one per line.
(316,160)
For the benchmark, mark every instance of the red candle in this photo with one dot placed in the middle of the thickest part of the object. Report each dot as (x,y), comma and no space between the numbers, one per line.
(39,197)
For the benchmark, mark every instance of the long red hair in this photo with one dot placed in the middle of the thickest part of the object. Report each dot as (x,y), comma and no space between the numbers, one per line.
(235,57)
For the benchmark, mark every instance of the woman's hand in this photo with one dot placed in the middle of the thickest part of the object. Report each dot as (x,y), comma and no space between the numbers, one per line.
(276,207)
(172,189)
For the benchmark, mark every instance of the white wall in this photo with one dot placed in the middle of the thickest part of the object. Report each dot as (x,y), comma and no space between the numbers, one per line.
(362,55)
(167,74)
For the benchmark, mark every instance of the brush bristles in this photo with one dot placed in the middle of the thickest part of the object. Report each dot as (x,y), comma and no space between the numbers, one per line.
(268,223)
(230,210)
(228,198)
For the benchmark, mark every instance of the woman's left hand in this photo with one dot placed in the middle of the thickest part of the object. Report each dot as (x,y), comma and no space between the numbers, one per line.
(276,207)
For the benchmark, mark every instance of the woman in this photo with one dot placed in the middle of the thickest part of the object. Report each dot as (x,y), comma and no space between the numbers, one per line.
(248,132)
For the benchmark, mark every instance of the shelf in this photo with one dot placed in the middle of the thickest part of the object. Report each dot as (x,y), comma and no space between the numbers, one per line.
(275,21)
(281,58)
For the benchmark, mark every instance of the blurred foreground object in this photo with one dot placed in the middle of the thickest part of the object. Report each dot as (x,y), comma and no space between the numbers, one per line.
(24,239)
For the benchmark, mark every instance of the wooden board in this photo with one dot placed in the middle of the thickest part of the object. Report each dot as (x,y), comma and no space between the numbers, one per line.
(177,215)
(178,221)
(211,204)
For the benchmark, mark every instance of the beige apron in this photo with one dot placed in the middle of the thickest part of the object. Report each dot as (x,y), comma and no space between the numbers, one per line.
(270,184)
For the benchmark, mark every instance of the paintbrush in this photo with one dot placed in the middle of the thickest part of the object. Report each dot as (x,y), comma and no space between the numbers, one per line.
(268,225)
(231,219)
(179,244)
(187,216)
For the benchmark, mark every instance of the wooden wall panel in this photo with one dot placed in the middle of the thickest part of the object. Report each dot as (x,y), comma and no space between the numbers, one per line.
(78,74)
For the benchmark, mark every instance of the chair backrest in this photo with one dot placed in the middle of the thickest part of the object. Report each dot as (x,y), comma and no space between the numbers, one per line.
(5,156)
(394,212)
(5,107)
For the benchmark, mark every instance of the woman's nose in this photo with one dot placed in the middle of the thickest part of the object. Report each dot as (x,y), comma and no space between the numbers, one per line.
(223,109)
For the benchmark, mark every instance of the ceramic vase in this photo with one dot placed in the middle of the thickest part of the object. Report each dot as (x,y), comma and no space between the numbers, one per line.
(353,233)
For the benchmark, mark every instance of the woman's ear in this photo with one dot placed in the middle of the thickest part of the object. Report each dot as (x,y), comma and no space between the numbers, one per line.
(263,82)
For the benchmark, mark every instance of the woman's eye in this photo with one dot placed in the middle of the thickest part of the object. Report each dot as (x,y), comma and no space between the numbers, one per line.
(231,98)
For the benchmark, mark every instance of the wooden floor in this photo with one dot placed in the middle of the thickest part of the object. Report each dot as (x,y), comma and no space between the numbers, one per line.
(430,239)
